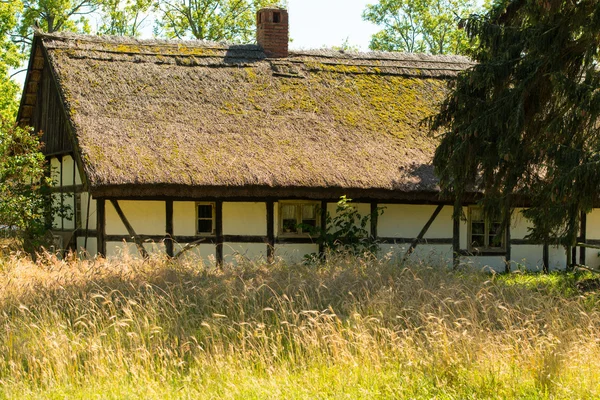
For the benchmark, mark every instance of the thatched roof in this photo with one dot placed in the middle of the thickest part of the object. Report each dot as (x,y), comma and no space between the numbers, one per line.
(187,118)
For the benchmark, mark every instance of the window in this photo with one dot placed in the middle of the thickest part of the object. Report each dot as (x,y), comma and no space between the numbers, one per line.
(484,234)
(205,218)
(296,216)
(276,17)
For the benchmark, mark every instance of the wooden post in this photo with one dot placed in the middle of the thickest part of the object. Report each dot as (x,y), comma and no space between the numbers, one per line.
(101,226)
(323,224)
(508,255)
(270,230)
(219,231)
(169,227)
(583,237)
(374,220)
(456,236)
(138,242)
(421,234)
(546,258)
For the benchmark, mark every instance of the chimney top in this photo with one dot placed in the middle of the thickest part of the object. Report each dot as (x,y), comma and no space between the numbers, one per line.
(272,27)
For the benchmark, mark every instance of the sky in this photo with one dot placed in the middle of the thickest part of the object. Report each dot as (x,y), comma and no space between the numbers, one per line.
(318,23)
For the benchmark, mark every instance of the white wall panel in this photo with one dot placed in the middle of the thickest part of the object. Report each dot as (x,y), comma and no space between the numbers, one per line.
(146,217)
(529,256)
(204,254)
(234,252)
(294,253)
(244,218)
(67,170)
(184,218)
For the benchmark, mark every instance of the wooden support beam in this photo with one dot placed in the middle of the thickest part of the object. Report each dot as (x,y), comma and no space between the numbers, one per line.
(421,234)
(270,204)
(546,259)
(323,216)
(582,237)
(169,227)
(101,226)
(130,230)
(456,236)
(508,255)
(219,231)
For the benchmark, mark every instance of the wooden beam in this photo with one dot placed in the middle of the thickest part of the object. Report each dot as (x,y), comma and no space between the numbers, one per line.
(421,234)
(219,231)
(130,230)
(270,204)
(323,216)
(169,227)
(101,226)
(582,237)
(508,255)
(456,236)
(546,259)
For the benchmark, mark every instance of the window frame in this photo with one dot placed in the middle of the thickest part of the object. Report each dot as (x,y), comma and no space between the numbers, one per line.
(298,204)
(486,234)
(212,205)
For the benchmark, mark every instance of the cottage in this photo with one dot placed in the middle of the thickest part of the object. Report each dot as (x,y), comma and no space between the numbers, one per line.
(164,143)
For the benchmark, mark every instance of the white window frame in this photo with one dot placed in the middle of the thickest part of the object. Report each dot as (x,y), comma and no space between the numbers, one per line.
(212,205)
(298,204)
(486,234)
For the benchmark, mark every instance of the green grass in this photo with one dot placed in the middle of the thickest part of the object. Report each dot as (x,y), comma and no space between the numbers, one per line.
(351,328)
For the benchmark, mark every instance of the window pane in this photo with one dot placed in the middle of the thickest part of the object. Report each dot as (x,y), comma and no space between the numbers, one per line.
(477,240)
(288,211)
(495,235)
(477,228)
(310,222)
(205,226)
(205,211)
(476,214)
(289,226)
(308,211)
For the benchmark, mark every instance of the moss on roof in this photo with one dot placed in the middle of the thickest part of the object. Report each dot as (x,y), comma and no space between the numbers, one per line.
(216,115)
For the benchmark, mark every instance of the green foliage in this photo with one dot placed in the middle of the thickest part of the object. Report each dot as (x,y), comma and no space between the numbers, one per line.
(124,17)
(420,26)
(10,57)
(524,120)
(217,20)
(22,183)
(347,230)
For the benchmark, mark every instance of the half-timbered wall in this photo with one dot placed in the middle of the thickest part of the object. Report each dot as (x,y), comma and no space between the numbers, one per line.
(251,230)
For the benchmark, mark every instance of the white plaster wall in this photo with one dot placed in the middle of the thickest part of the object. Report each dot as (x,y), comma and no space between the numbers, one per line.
(69,204)
(120,249)
(557,258)
(485,263)
(519,224)
(184,218)
(56,219)
(294,253)
(55,171)
(530,256)
(244,219)
(592,258)
(67,171)
(205,253)
(84,211)
(234,252)
(363,209)
(146,217)
(92,246)
(407,220)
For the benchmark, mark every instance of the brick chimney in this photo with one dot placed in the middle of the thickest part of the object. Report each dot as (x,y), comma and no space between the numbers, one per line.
(272,31)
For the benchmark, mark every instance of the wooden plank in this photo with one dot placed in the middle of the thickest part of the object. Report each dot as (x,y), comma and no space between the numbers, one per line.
(582,237)
(508,256)
(424,230)
(270,204)
(219,231)
(323,224)
(404,240)
(169,227)
(546,259)
(456,236)
(138,242)
(101,226)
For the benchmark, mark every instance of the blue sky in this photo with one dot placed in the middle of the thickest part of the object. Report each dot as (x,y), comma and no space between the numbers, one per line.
(318,23)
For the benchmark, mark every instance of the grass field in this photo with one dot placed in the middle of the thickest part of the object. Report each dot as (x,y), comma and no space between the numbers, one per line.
(351,328)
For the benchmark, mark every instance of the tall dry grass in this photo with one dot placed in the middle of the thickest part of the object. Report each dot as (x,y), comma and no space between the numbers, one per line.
(350,328)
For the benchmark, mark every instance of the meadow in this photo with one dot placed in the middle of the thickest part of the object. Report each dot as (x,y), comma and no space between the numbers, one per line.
(347,328)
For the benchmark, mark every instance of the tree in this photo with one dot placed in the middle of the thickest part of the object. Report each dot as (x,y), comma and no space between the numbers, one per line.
(420,25)
(22,169)
(217,20)
(10,57)
(124,17)
(523,122)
